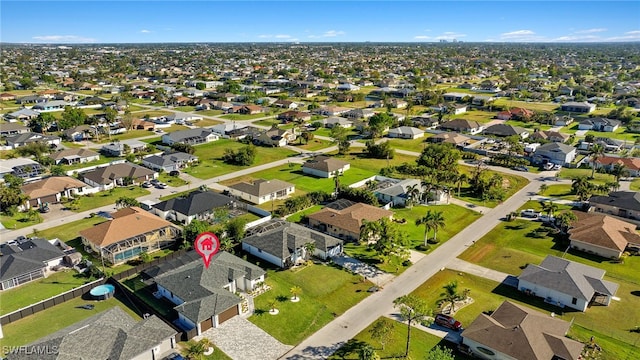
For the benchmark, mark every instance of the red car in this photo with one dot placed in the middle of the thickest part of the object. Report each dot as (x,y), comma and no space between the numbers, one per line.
(448,322)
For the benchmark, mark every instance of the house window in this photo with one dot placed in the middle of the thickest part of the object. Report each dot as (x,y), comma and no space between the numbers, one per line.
(574,301)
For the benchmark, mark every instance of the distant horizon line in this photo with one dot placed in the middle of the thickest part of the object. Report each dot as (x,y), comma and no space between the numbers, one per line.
(329,42)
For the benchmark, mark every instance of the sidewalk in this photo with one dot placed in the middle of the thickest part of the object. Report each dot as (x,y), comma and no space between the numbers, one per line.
(477,270)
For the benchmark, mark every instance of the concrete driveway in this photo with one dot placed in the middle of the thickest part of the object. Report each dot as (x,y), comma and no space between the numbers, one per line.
(372,273)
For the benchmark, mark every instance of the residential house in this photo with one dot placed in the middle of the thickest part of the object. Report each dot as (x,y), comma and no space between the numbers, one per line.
(285,104)
(275,137)
(78,133)
(405,132)
(556,153)
(261,191)
(599,124)
(567,283)
(113,175)
(325,166)
(332,110)
(563,120)
(459,109)
(74,156)
(18,140)
(481,100)
(332,121)
(7,97)
(31,99)
(111,334)
(51,190)
(182,118)
(22,115)
(348,87)
(515,113)
(578,107)
(359,114)
(514,331)
(624,204)
(8,129)
(21,167)
(289,116)
(250,109)
(602,235)
(344,219)
(205,297)
(130,232)
(608,163)
(124,147)
(399,104)
(453,138)
(454,96)
(429,122)
(284,244)
(48,106)
(141,124)
(399,192)
(553,136)
(200,205)
(506,130)
(27,261)
(190,136)
(462,126)
(169,162)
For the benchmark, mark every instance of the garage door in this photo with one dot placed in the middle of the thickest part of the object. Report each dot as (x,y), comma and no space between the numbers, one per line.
(227,314)
(206,325)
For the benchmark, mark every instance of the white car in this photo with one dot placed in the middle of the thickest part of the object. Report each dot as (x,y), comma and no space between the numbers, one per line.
(546,218)
(529,213)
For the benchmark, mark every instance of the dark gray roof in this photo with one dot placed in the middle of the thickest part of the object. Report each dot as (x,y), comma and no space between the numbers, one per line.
(196,203)
(107,174)
(26,257)
(460,124)
(29,137)
(262,187)
(629,200)
(169,159)
(283,240)
(574,279)
(186,135)
(111,334)
(504,130)
(556,147)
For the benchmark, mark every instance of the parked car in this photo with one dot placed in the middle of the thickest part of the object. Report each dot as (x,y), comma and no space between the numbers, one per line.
(174,356)
(547,166)
(161,185)
(529,213)
(557,167)
(520,168)
(154,181)
(174,173)
(147,185)
(546,218)
(448,322)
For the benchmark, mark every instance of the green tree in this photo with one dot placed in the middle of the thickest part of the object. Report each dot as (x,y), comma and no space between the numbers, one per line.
(201,86)
(35,149)
(367,352)
(242,157)
(595,153)
(57,170)
(386,239)
(549,207)
(382,150)
(412,309)
(42,123)
(145,257)
(440,353)
(309,248)
(235,228)
(543,189)
(194,350)
(195,228)
(381,331)
(451,295)
(295,291)
(582,188)
(340,136)
(378,123)
(185,148)
(565,220)
(125,201)
(71,117)
(433,220)
(441,157)
(619,171)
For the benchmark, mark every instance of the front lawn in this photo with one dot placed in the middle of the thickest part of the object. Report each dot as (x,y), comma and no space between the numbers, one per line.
(173,181)
(31,328)
(415,145)
(18,221)
(211,164)
(241,117)
(314,145)
(104,198)
(510,183)
(535,106)
(559,191)
(620,134)
(31,293)
(327,292)
(296,217)
(635,185)
(100,161)
(69,231)
(598,178)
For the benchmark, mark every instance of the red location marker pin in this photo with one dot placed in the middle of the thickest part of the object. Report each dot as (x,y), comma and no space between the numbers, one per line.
(207,244)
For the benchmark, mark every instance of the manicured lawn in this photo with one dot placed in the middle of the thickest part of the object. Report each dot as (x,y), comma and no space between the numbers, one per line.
(478,115)
(131,134)
(244,117)
(153,113)
(100,161)
(620,134)
(529,125)
(570,129)
(109,197)
(207,122)
(134,108)
(365,254)
(209,113)
(540,106)
(298,216)
(217,353)
(421,342)
(635,185)
(173,181)
(18,221)
(31,328)
(613,336)
(31,293)
(327,292)
(293,173)
(537,206)
(314,145)
(415,145)
(211,164)
(560,191)
(510,183)
(185,108)
(153,140)
(69,231)
(599,178)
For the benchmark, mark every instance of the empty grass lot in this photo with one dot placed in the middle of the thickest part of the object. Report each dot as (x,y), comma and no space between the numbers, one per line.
(18,221)
(598,178)
(102,160)
(534,106)
(314,145)
(241,117)
(31,328)
(510,183)
(109,197)
(211,164)
(559,191)
(480,116)
(327,292)
(415,145)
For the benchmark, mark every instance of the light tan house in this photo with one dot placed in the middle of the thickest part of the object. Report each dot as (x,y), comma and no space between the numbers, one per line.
(261,191)
(325,166)
(130,232)
(602,235)
(52,190)
(347,222)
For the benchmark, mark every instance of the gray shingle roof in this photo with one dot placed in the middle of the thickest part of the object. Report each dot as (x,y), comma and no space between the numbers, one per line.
(622,199)
(568,277)
(26,257)
(185,135)
(107,174)
(262,187)
(196,203)
(504,130)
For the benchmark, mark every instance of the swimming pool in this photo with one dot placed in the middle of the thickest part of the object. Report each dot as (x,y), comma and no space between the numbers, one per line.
(103,291)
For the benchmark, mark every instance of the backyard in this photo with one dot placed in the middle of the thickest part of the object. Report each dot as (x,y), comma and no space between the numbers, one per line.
(327,292)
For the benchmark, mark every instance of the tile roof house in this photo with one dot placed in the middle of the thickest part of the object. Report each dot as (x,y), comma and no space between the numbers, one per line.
(516,332)
(74,156)
(283,243)
(566,283)
(292,115)
(261,191)
(198,204)
(504,130)
(169,162)
(462,125)
(112,334)
(52,190)
(515,113)
(325,166)
(453,138)
(27,261)
(205,297)
(190,136)
(117,175)
(405,132)
(18,140)
(275,137)
(556,153)
(347,222)
(130,232)
(625,204)
(602,235)
(549,135)
(631,164)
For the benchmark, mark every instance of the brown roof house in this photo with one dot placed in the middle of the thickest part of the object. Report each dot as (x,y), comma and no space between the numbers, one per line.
(602,235)
(261,191)
(114,175)
(346,220)
(325,166)
(276,137)
(131,232)
(52,190)
(74,156)
(517,332)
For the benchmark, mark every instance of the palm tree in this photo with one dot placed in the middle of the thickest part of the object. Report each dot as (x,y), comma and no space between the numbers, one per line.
(619,171)
(427,186)
(426,221)
(543,188)
(436,222)
(309,249)
(549,207)
(461,179)
(451,295)
(295,291)
(595,152)
(582,187)
(195,350)
(412,309)
(272,306)
(413,194)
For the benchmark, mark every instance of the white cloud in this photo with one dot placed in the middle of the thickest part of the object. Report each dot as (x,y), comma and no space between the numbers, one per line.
(282,36)
(63,39)
(591,31)
(578,38)
(422,37)
(145,31)
(327,34)
(521,36)
(633,35)
(450,35)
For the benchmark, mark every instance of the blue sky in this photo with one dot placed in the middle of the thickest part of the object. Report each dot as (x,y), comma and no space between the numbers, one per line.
(317,21)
